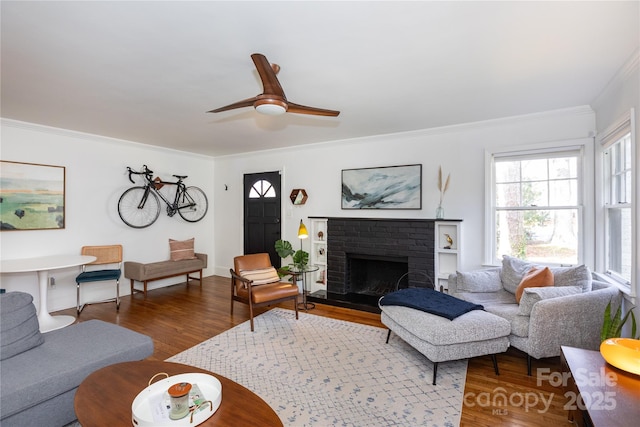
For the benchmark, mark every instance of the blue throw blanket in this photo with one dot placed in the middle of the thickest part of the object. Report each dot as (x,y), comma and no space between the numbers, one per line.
(430,301)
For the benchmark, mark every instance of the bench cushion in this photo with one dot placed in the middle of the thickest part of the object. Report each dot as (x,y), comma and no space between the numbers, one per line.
(153,270)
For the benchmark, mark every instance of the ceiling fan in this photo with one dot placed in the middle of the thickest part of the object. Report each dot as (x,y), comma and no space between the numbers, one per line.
(272,100)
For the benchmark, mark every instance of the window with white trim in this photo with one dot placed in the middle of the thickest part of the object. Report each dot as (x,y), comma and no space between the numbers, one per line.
(618,188)
(536,210)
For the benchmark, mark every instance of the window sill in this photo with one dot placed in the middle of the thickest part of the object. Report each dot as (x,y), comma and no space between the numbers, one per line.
(628,293)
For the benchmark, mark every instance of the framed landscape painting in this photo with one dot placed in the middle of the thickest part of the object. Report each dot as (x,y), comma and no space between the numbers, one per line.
(390,187)
(31,196)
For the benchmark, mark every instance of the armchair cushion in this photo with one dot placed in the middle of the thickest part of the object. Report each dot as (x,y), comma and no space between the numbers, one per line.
(261,276)
(531,296)
(535,278)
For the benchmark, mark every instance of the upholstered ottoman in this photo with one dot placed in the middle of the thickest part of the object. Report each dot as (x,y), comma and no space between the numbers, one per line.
(476,333)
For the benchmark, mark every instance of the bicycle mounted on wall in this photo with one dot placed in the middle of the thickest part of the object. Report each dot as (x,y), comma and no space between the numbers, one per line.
(139,206)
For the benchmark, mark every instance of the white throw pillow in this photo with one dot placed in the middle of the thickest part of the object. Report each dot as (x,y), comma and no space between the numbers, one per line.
(261,276)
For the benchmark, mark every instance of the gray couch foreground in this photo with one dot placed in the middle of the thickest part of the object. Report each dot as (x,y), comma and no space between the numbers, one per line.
(40,373)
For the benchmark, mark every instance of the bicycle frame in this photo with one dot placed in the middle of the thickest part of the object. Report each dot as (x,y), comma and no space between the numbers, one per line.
(172,207)
(150,185)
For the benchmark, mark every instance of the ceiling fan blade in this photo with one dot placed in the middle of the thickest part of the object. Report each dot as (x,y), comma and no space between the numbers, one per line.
(270,83)
(303,109)
(240,104)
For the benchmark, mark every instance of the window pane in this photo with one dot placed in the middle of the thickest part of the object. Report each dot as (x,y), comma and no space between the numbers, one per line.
(262,188)
(507,171)
(535,194)
(508,195)
(534,170)
(563,168)
(563,193)
(620,236)
(543,236)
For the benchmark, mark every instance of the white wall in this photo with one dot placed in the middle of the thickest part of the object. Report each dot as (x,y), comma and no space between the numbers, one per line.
(622,94)
(95,178)
(459,149)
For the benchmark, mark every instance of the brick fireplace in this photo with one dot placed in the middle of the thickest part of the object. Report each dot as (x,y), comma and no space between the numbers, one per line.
(367,256)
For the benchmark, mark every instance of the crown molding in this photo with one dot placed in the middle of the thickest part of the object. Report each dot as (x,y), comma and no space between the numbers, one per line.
(630,68)
(34,127)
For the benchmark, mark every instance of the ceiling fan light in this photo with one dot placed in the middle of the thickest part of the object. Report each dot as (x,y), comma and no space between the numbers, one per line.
(271,109)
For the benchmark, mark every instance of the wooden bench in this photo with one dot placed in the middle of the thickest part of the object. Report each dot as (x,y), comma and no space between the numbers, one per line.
(141,272)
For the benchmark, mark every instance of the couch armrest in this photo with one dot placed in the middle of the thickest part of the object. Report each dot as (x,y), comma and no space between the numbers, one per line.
(572,320)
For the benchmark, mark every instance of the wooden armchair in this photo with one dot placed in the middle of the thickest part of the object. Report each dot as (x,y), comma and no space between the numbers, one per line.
(254,281)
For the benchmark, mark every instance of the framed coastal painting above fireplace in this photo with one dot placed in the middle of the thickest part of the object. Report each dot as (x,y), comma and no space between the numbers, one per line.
(389,187)
(31,196)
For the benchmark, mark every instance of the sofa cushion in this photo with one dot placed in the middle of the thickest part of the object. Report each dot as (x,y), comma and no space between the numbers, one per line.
(573,276)
(500,297)
(513,270)
(479,281)
(66,357)
(531,296)
(261,276)
(537,277)
(19,330)
(519,324)
(182,249)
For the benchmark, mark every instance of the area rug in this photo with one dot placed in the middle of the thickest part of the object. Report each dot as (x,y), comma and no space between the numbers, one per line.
(318,371)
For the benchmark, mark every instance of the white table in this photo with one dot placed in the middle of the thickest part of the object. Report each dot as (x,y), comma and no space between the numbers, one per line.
(42,265)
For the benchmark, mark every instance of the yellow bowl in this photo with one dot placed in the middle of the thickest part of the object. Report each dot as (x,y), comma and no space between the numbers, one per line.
(623,353)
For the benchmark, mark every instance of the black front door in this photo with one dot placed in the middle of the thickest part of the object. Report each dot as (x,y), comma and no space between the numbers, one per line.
(262,209)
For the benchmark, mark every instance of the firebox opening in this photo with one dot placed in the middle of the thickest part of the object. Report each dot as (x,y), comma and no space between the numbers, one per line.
(375,275)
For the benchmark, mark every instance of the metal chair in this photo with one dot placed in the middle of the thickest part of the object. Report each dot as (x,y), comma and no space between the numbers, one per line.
(110,254)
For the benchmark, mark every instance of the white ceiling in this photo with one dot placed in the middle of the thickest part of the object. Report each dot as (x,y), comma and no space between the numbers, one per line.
(148,71)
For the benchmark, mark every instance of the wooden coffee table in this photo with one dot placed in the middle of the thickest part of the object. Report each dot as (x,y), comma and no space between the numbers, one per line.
(104,398)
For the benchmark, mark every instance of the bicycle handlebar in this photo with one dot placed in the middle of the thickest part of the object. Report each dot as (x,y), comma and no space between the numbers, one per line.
(145,171)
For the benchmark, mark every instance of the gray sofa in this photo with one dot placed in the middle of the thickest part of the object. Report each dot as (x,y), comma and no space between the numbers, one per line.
(569,313)
(40,373)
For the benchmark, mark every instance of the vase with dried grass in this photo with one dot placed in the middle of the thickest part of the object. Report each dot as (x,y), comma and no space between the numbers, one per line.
(443,189)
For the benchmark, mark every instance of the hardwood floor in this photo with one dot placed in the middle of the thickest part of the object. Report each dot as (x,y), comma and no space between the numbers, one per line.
(181,316)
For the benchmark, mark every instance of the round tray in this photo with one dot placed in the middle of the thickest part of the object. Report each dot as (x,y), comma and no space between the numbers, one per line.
(149,407)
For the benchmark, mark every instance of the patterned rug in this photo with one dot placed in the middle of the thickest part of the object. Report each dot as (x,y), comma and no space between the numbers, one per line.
(321,372)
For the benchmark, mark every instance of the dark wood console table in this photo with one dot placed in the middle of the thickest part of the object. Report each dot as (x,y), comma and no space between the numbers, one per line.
(610,397)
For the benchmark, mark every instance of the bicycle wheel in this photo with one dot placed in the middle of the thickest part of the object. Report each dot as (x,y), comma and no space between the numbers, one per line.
(193,204)
(137,212)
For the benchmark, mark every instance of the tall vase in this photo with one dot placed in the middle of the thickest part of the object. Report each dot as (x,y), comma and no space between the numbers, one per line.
(439,212)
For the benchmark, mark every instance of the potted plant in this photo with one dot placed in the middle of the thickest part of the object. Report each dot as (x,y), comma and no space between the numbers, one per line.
(612,325)
(300,257)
